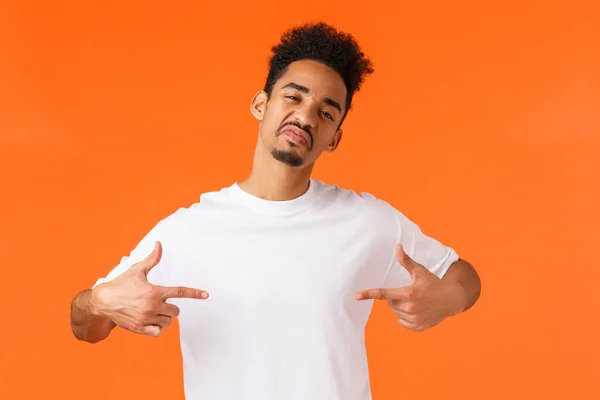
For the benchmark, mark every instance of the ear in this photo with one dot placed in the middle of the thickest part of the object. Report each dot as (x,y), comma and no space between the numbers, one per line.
(335,141)
(258,106)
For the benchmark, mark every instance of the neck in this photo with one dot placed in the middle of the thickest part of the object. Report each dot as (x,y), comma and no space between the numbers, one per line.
(273,180)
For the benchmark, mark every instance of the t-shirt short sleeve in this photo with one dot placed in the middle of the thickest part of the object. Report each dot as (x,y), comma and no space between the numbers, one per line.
(142,250)
(423,249)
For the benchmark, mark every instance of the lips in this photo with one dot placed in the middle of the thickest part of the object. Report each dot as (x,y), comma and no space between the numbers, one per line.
(297,135)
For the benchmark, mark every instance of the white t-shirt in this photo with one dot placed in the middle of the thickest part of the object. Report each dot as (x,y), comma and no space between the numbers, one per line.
(281,322)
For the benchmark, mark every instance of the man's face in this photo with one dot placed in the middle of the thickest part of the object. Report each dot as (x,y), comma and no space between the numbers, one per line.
(301,118)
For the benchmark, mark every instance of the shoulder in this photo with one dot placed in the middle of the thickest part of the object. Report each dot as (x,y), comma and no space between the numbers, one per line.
(361,201)
(372,209)
(378,210)
(373,217)
(183,214)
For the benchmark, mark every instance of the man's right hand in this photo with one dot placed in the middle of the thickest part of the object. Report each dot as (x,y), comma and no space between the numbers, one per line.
(135,304)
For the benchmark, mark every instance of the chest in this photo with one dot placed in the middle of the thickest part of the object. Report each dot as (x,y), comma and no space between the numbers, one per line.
(301,268)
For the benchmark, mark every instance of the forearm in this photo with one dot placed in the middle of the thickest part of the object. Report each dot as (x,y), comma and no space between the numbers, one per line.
(463,276)
(85,324)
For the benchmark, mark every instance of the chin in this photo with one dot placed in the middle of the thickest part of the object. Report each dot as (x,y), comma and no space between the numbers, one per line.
(288,157)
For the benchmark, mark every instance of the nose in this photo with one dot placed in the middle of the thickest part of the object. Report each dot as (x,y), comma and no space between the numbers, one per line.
(307,115)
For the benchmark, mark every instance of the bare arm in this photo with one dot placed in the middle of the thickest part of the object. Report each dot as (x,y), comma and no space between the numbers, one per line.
(128,301)
(428,300)
(463,276)
(86,323)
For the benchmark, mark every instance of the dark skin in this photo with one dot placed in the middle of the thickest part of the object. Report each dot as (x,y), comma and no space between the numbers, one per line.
(297,123)
(306,99)
(303,100)
(428,300)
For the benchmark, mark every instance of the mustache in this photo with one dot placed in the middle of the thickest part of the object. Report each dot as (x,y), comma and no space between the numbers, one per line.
(305,128)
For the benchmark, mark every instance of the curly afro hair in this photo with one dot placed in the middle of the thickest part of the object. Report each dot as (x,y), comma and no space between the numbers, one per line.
(323,43)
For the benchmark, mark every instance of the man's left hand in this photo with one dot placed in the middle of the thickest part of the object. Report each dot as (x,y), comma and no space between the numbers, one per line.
(422,304)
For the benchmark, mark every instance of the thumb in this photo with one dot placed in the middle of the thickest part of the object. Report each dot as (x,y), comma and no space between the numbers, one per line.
(408,263)
(151,261)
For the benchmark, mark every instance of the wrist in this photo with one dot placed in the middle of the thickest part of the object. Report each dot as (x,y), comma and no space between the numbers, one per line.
(94,304)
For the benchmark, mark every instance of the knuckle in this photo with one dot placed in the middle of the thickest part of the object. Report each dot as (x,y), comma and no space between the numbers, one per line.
(147,308)
(411,295)
(404,324)
(150,290)
(410,307)
(147,314)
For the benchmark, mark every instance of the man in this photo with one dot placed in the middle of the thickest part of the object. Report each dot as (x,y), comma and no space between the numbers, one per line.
(291,264)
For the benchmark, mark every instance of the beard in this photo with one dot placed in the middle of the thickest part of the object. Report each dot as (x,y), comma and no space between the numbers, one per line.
(287,157)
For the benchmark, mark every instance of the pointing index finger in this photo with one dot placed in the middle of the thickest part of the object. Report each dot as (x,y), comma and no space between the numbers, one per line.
(183,292)
(379,294)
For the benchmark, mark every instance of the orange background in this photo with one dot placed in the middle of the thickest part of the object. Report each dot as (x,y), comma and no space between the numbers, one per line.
(481,123)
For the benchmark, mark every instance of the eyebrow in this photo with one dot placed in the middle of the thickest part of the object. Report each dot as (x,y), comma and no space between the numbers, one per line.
(304,89)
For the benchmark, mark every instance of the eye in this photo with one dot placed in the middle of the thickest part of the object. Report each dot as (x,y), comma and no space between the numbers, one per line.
(327,115)
(291,97)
